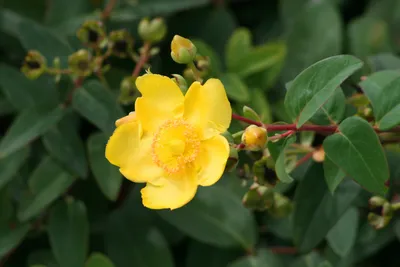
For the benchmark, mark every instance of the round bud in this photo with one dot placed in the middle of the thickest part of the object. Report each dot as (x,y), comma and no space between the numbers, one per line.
(91,33)
(183,51)
(254,138)
(80,63)
(121,43)
(153,30)
(34,65)
(258,197)
(181,82)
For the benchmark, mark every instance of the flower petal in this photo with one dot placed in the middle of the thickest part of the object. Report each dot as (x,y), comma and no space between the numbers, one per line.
(161,100)
(208,107)
(212,159)
(170,193)
(130,151)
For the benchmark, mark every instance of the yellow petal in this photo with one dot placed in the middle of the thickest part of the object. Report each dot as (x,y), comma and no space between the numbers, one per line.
(128,118)
(161,100)
(170,193)
(212,159)
(130,151)
(208,107)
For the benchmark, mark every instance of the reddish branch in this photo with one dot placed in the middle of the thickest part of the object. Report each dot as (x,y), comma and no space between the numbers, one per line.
(143,59)
(108,9)
(310,128)
(304,159)
(283,250)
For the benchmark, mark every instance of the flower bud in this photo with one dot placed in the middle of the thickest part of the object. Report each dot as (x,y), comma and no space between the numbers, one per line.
(254,137)
(129,118)
(183,51)
(34,65)
(121,43)
(263,174)
(381,212)
(319,155)
(152,31)
(80,63)
(202,63)
(258,198)
(128,90)
(189,75)
(282,206)
(91,33)
(181,82)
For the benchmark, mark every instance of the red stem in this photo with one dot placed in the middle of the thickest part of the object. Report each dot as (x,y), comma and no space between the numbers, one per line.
(108,9)
(283,250)
(304,159)
(143,59)
(310,128)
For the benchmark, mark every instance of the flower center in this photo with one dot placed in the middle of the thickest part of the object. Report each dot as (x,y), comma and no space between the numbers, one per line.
(175,144)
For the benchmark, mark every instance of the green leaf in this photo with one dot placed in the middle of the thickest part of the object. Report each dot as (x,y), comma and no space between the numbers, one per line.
(358,151)
(332,111)
(207,51)
(147,248)
(325,264)
(333,174)
(68,231)
(387,109)
(374,84)
(6,107)
(261,105)
(10,165)
(24,93)
(250,114)
(34,36)
(223,223)
(47,183)
(107,176)
(368,36)
(42,257)
(235,88)
(308,29)
(60,11)
(29,124)
(10,239)
(314,86)
(342,236)
(263,258)
(64,144)
(238,46)
(383,61)
(280,166)
(311,221)
(99,260)
(98,105)
(261,58)
(216,257)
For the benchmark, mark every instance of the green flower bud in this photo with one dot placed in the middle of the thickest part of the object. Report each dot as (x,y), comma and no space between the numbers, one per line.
(152,31)
(189,75)
(181,82)
(258,198)
(202,63)
(282,206)
(121,43)
(183,51)
(381,212)
(91,33)
(128,91)
(254,138)
(263,174)
(34,65)
(80,63)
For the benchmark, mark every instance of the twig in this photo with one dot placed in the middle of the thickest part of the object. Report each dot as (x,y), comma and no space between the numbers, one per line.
(77,83)
(283,250)
(311,128)
(108,9)
(144,57)
(304,159)
(280,136)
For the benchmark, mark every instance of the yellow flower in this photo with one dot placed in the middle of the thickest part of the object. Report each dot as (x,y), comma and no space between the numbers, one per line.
(172,142)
